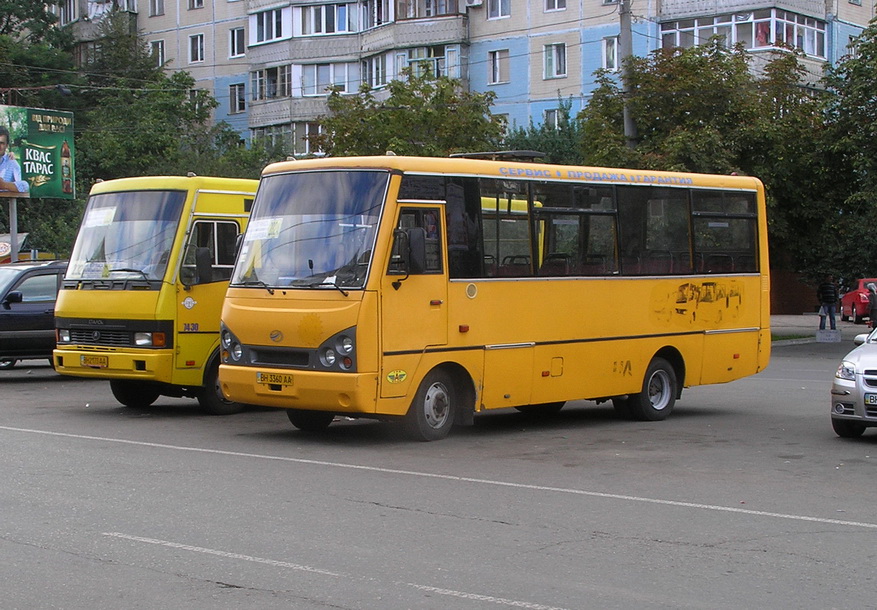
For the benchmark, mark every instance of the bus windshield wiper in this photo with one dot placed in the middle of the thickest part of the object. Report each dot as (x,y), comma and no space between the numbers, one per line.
(129,270)
(328,281)
(258,283)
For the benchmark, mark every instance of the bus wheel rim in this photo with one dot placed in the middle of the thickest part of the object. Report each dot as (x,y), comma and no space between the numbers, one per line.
(436,405)
(659,390)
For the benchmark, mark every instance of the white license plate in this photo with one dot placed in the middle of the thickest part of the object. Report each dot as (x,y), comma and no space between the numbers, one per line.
(871,399)
(273,378)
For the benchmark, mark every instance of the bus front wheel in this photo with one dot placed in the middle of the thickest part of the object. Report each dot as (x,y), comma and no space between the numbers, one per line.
(658,395)
(431,414)
(133,393)
(309,421)
(211,398)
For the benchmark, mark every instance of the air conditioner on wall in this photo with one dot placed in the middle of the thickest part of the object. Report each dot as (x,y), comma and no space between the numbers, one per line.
(473,3)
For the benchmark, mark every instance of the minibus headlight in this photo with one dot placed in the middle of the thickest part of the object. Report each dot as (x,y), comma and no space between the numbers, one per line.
(345,346)
(236,351)
(846,370)
(143,339)
(226,338)
(328,357)
(63,335)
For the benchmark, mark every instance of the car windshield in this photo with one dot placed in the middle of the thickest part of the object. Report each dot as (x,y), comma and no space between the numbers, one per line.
(312,230)
(126,235)
(7,277)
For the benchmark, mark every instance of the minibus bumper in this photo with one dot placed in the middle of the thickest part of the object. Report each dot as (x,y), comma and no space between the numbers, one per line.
(143,365)
(312,390)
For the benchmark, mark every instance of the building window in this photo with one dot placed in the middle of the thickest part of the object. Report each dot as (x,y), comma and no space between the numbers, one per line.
(269,25)
(760,29)
(236,47)
(69,12)
(374,71)
(555,60)
(156,49)
(317,78)
(498,62)
(375,13)
(499,8)
(196,4)
(196,48)
(424,60)
(551,119)
(272,83)
(156,7)
(610,54)
(555,5)
(326,19)
(237,98)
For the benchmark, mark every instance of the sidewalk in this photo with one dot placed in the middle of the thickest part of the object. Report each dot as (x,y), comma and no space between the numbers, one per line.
(807,324)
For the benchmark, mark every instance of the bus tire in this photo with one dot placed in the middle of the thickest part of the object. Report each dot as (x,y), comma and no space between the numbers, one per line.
(310,421)
(134,394)
(655,401)
(623,408)
(431,414)
(211,398)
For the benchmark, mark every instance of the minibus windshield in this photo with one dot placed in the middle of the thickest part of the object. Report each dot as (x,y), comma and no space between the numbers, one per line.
(312,230)
(126,235)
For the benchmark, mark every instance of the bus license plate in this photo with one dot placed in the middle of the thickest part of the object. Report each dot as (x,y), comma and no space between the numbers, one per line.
(94,362)
(273,378)
(871,399)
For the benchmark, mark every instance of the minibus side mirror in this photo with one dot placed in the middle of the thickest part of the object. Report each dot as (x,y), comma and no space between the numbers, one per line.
(409,253)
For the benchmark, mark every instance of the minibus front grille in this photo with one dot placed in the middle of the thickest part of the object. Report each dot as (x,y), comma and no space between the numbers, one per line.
(115,338)
(281,357)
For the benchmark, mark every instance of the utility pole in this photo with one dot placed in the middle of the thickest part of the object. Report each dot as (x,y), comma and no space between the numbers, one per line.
(625,42)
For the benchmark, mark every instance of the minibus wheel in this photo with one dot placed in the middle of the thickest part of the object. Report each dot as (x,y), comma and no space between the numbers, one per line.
(134,393)
(656,400)
(309,421)
(431,414)
(211,398)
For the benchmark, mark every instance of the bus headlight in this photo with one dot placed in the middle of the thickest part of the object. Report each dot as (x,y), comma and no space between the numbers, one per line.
(226,338)
(338,352)
(231,349)
(63,335)
(328,357)
(345,346)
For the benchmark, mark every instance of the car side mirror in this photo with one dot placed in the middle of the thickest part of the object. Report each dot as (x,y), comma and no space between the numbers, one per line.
(860,339)
(13,297)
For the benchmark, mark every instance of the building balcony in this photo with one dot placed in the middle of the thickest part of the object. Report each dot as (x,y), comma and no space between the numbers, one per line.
(415,33)
(684,9)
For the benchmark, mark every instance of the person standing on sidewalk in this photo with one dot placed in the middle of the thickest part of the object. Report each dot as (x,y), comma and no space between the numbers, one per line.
(827,295)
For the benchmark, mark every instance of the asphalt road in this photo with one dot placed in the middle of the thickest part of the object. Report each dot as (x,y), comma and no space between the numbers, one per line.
(744,498)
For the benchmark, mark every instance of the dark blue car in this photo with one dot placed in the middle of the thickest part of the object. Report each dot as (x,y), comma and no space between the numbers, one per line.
(28,291)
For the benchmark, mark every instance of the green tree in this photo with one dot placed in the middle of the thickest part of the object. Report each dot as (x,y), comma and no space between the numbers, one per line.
(27,19)
(561,144)
(422,115)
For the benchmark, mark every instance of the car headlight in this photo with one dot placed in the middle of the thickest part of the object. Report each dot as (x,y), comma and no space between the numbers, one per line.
(846,370)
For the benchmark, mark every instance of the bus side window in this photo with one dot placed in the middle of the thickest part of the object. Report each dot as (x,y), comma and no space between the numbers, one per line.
(210,251)
(417,243)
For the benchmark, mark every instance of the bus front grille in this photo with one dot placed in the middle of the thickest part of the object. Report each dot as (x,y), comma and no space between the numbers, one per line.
(115,338)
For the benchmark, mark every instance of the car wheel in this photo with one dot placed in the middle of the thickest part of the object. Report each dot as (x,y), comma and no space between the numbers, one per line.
(547,408)
(309,421)
(854,315)
(133,393)
(843,314)
(7,363)
(211,398)
(431,414)
(845,428)
(655,401)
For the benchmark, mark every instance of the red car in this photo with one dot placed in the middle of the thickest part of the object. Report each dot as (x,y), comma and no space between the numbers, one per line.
(854,304)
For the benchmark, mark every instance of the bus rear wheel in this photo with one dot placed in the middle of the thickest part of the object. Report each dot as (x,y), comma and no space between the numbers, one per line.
(211,398)
(431,414)
(655,401)
(134,394)
(309,421)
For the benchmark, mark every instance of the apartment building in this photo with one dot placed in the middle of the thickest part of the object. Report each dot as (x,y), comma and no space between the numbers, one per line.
(269,62)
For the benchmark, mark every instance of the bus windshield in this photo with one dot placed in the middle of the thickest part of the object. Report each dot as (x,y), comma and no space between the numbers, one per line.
(312,230)
(126,235)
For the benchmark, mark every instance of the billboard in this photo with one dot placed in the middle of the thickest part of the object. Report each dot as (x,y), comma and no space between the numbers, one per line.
(36,153)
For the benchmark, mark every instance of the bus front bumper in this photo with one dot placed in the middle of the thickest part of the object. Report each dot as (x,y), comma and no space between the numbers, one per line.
(353,393)
(142,365)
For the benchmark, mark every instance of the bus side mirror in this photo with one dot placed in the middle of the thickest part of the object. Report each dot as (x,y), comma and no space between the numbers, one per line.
(203,268)
(409,253)
(416,250)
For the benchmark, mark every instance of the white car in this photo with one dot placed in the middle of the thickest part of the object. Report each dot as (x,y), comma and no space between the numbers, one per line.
(854,391)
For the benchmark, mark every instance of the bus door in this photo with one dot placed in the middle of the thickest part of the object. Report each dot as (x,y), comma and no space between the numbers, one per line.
(414,301)
(208,260)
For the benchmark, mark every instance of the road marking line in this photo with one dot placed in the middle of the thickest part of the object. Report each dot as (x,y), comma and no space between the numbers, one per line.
(295,566)
(450,477)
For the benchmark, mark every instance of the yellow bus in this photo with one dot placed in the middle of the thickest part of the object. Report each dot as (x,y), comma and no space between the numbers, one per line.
(423,290)
(141,299)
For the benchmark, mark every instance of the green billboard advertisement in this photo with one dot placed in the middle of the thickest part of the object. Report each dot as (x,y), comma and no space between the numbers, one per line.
(36,153)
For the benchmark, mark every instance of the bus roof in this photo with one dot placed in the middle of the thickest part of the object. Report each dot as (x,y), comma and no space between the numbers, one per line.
(158,183)
(518,169)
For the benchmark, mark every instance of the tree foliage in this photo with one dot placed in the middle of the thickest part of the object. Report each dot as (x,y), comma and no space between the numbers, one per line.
(27,19)
(561,144)
(417,115)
